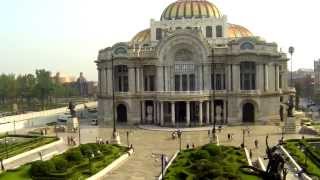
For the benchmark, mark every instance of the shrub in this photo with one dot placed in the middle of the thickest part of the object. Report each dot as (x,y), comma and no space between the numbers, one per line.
(41,168)
(74,155)
(86,150)
(61,164)
(201,154)
(213,149)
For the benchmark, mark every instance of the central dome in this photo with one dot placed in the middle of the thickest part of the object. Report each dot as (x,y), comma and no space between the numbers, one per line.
(190,9)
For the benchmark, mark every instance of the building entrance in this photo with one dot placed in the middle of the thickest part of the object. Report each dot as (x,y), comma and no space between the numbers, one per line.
(121,113)
(181,112)
(248,113)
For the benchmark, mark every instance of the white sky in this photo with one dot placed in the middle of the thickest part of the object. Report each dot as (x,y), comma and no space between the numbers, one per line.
(65,35)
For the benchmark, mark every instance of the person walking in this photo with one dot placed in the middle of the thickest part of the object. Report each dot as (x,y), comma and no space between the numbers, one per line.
(188,146)
(229,137)
(256,143)
(250,153)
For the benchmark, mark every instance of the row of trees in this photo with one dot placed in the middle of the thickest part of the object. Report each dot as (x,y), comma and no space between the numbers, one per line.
(28,89)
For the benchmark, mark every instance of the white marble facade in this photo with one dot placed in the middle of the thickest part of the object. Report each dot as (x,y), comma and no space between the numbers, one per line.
(178,74)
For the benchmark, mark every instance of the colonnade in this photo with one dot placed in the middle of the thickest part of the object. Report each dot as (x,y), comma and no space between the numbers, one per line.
(167,113)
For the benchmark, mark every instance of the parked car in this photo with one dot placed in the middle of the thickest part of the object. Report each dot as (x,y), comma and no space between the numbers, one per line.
(94,122)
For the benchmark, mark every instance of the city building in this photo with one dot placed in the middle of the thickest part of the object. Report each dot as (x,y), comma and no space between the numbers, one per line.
(190,68)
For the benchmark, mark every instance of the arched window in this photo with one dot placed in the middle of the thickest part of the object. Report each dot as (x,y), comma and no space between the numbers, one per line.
(246,45)
(183,55)
(120,50)
(248,75)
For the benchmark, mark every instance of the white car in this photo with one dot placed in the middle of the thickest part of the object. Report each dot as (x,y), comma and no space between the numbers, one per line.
(94,122)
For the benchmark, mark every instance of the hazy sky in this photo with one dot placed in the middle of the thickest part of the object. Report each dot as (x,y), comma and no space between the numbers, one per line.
(65,35)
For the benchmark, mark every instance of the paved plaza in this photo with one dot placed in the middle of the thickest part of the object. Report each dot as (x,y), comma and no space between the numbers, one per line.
(145,164)
(149,145)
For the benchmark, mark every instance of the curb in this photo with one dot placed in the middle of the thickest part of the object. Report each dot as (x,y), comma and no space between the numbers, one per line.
(22,155)
(169,129)
(111,166)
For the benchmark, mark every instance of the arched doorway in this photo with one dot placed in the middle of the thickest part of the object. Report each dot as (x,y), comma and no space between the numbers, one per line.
(121,113)
(248,113)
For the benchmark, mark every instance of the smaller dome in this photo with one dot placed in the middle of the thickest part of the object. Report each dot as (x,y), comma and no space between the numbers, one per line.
(142,36)
(237,31)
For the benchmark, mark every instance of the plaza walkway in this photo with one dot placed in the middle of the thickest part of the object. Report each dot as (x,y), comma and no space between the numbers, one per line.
(145,164)
(149,145)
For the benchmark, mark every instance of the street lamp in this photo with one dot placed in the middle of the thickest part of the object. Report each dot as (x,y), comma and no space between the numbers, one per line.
(179,132)
(214,138)
(115,135)
(243,136)
(291,51)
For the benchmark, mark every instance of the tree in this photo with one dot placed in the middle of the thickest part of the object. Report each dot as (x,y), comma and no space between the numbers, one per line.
(44,87)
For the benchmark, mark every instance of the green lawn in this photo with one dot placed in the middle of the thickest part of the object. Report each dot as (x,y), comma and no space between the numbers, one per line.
(18,144)
(308,159)
(209,162)
(21,173)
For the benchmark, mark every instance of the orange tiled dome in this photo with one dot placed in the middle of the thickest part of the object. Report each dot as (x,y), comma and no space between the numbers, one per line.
(236,31)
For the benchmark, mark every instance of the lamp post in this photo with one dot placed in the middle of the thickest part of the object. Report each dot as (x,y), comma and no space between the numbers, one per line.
(214,138)
(115,135)
(5,145)
(179,132)
(243,136)
(291,51)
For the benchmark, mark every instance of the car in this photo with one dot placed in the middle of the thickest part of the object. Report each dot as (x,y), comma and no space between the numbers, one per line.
(94,122)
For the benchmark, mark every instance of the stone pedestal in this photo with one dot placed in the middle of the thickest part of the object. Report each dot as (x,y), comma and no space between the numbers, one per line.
(290,126)
(115,139)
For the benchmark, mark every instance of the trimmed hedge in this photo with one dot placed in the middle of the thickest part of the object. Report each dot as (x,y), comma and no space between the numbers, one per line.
(80,162)
(209,162)
(312,165)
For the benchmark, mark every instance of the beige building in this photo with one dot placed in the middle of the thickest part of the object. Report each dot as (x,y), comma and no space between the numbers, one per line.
(190,68)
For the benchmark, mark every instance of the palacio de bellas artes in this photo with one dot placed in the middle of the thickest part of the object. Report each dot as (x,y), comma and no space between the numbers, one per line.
(191,68)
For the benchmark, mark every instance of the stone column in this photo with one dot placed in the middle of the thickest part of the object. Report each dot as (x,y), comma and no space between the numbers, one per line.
(266,77)
(200,78)
(277,77)
(225,112)
(260,77)
(228,77)
(200,113)
(161,113)
(109,81)
(160,78)
(207,77)
(131,79)
(143,111)
(208,112)
(99,82)
(236,77)
(141,79)
(154,112)
(173,113)
(103,81)
(188,112)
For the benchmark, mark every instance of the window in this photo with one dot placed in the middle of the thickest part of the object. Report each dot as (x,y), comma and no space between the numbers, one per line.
(248,76)
(184,82)
(178,28)
(192,82)
(209,31)
(121,77)
(219,31)
(177,82)
(246,45)
(158,34)
(151,81)
(218,77)
(188,27)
